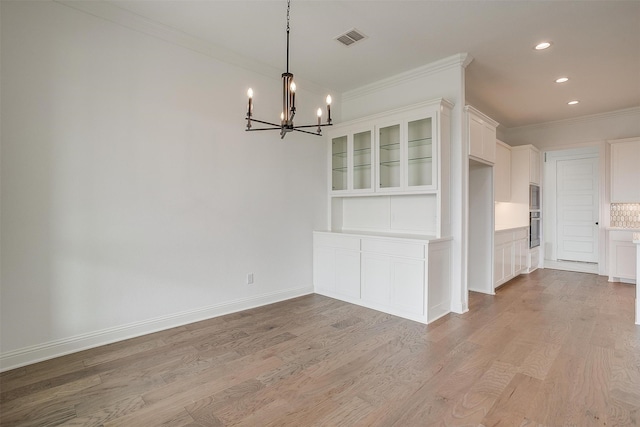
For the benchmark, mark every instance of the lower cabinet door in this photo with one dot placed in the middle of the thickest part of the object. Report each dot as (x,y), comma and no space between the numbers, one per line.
(376,279)
(347,273)
(324,269)
(407,285)
(393,282)
(509,254)
(624,260)
(498,265)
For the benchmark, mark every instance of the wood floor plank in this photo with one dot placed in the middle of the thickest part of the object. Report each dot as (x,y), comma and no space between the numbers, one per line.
(551,348)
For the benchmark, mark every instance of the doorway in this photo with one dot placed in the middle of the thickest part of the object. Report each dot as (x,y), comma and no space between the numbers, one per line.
(571,209)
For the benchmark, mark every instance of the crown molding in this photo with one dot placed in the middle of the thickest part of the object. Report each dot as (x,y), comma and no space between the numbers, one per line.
(633,111)
(460,60)
(130,20)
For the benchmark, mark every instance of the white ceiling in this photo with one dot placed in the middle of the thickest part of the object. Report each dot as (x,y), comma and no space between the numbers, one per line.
(595,43)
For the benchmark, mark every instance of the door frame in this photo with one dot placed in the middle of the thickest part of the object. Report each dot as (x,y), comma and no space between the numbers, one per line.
(549,208)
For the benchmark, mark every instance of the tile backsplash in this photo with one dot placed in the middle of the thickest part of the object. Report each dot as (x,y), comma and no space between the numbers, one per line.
(625,215)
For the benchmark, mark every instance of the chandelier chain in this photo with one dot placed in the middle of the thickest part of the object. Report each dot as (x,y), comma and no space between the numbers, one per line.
(288,9)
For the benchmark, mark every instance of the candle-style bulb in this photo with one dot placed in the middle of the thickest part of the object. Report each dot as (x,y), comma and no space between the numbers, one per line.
(281,116)
(319,112)
(293,87)
(250,93)
(328,99)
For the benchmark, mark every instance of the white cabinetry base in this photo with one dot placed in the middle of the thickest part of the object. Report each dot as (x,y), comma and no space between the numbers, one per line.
(405,277)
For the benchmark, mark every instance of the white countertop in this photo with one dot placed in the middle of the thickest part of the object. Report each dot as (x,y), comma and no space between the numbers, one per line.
(402,236)
(623,229)
(511,228)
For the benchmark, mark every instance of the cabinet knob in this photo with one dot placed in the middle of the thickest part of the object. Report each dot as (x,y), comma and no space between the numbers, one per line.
(596,222)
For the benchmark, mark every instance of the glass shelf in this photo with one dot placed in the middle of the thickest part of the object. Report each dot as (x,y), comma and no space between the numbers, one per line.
(390,146)
(368,165)
(421,159)
(390,163)
(340,154)
(340,169)
(420,142)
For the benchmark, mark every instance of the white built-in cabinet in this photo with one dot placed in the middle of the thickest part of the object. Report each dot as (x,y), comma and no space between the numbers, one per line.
(625,170)
(525,167)
(405,153)
(406,277)
(510,254)
(389,153)
(352,154)
(388,244)
(533,261)
(481,131)
(622,256)
(502,173)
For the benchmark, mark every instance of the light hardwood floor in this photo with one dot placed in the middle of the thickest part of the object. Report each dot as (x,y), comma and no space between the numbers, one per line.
(552,348)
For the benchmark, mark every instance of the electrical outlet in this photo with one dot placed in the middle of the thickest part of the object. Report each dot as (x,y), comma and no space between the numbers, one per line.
(250,279)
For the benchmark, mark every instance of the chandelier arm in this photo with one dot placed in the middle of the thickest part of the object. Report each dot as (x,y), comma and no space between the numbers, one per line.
(312,126)
(266,123)
(254,129)
(306,131)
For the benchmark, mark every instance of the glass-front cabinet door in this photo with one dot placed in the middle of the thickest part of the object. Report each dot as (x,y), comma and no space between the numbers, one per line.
(389,157)
(352,161)
(339,163)
(362,154)
(420,163)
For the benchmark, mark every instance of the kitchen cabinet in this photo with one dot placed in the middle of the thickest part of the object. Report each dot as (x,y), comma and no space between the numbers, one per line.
(520,254)
(405,153)
(625,170)
(622,256)
(502,173)
(533,259)
(525,170)
(406,277)
(390,172)
(351,161)
(510,254)
(393,152)
(481,131)
(336,265)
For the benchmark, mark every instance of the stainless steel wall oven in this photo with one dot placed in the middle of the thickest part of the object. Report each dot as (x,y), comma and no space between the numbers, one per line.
(534,229)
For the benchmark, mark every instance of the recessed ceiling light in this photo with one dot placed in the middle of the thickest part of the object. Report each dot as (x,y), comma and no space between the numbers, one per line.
(574,102)
(543,45)
(562,79)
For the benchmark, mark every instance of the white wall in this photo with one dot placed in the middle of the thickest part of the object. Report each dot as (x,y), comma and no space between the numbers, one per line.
(132,198)
(442,79)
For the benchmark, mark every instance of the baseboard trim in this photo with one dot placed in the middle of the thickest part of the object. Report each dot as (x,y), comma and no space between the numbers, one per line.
(38,353)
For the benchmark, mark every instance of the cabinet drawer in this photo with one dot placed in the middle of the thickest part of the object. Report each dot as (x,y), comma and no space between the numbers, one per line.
(401,249)
(336,241)
(520,233)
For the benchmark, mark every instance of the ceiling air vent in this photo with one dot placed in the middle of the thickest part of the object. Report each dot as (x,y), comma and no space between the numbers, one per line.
(350,37)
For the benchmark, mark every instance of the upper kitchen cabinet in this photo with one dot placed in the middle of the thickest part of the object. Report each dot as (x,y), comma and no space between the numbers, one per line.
(352,160)
(525,163)
(482,135)
(407,155)
(502,173)
(395,152)
(625,170)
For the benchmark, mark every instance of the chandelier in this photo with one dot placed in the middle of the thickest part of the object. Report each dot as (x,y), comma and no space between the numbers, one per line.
(288,104)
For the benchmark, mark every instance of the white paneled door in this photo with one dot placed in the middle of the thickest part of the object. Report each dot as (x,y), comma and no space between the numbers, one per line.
(577,209)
